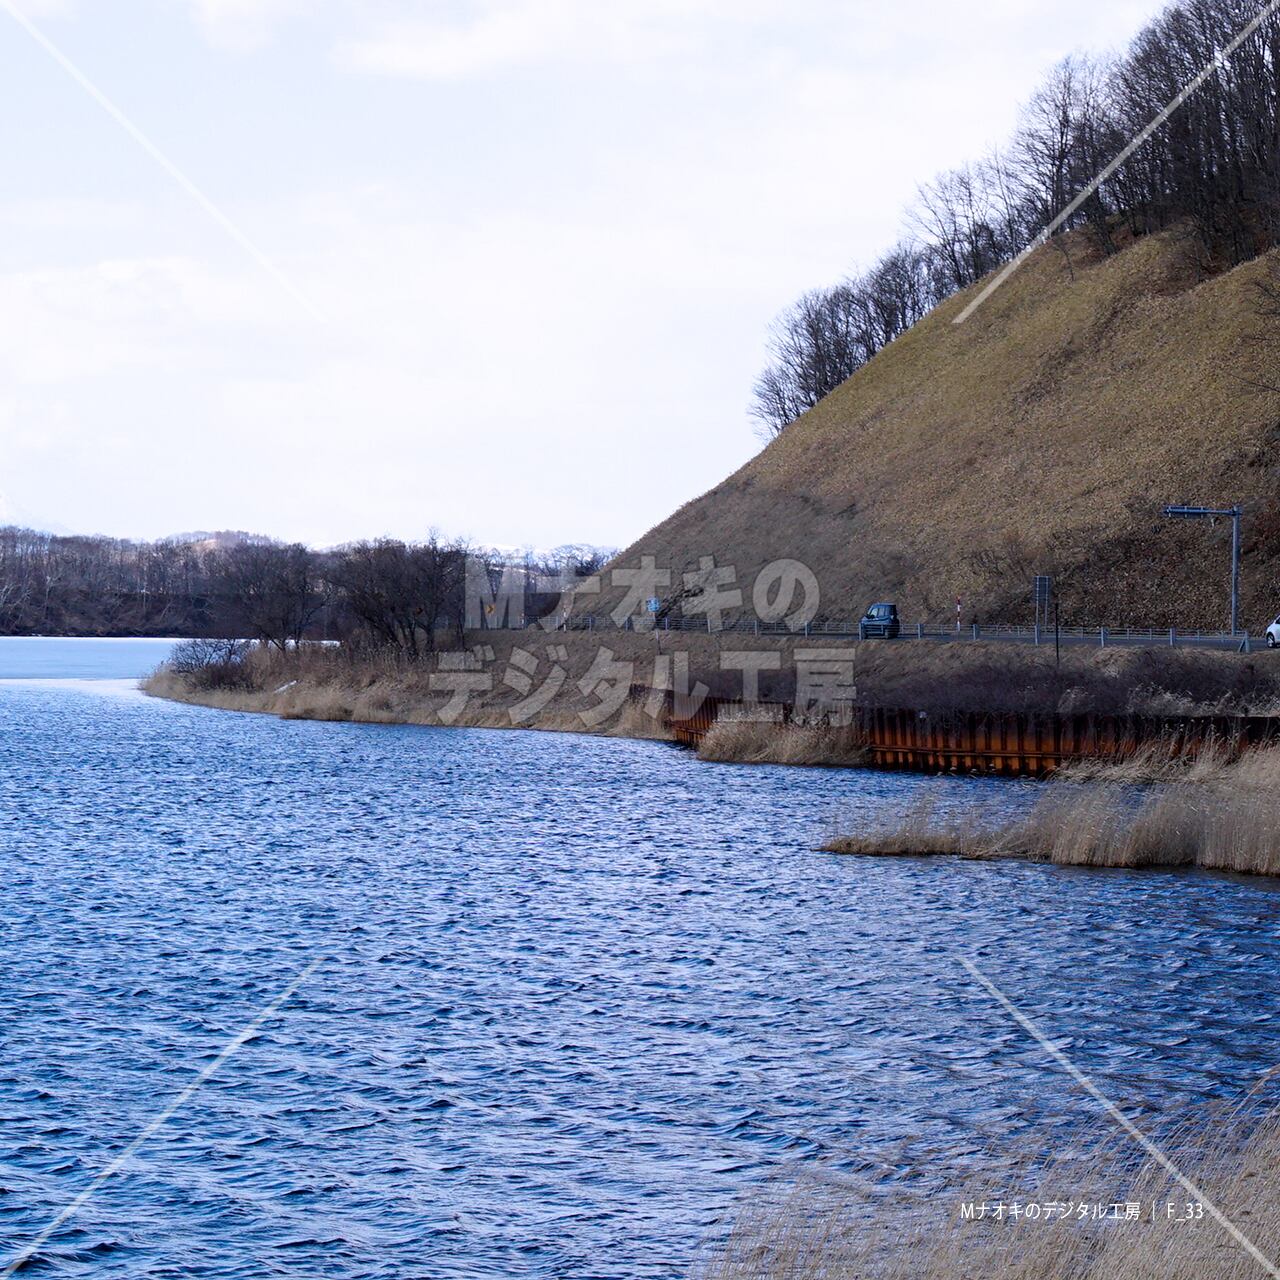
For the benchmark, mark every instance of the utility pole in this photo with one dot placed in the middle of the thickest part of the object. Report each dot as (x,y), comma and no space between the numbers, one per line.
(1235,569)
(1212,513)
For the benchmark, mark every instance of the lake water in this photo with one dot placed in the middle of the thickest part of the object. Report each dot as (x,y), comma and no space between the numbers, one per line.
(576,999)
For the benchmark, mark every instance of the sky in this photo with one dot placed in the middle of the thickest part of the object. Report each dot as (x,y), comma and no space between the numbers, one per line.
(502,269)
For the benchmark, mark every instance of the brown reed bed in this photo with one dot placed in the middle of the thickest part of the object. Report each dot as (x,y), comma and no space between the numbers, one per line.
(816,1231)
(1220,814)
(755,739)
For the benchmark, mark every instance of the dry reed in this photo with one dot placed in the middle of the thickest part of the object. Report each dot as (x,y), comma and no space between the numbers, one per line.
(1221,815)
(1232,1155)
(744,739)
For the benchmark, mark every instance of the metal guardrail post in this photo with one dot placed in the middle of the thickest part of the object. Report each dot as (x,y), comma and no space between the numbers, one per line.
(1037,640)
(975,630)
(1102,637)
(1173,638)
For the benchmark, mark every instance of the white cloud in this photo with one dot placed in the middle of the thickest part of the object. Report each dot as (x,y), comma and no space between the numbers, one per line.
(392,37)
(241,25)
(498,34)
(545,297)
(46,8)
(465,367)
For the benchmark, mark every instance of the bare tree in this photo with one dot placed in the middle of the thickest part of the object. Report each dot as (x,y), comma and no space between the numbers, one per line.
(400,594)
(829,334)
(273,592)
(1212,168)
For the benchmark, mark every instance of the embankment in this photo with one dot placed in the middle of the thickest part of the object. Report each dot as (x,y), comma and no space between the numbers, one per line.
(613,684)
(1044,435)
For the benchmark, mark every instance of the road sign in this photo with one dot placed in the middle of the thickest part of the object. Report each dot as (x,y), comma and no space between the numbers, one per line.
(1042,594)
(653,604)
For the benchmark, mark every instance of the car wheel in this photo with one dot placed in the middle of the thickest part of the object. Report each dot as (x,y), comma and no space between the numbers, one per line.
(1271,641)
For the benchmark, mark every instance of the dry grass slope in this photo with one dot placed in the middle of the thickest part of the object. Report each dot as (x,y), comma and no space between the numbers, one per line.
(1042,435)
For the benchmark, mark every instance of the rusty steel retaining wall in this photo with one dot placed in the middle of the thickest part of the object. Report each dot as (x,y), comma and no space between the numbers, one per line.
(1012,744)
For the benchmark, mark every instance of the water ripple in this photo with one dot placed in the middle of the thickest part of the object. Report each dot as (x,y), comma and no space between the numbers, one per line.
(581,997)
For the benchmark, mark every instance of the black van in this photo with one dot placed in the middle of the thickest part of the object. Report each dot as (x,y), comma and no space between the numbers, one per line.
(880,620)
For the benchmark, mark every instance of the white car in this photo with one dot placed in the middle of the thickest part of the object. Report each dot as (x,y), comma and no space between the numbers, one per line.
(1273,634)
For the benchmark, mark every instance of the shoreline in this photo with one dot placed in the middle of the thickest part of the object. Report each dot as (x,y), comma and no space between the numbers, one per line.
(903,708)
(308,701)
(1217,813)
(1212,803)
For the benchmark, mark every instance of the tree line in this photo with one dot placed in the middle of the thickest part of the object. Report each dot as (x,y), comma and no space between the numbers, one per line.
(1213,166)
(379,594)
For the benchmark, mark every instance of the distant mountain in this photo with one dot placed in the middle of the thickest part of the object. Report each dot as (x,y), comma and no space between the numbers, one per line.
(220,540)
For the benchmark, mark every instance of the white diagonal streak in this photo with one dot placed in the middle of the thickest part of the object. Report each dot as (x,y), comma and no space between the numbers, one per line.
(30,1250)
(160,158)
(1119,1117)
(1214,65)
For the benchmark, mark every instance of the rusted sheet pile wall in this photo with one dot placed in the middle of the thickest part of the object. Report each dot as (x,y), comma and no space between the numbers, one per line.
(1014,745)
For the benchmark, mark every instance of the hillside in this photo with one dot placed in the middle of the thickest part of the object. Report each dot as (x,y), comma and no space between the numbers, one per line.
(1044,435)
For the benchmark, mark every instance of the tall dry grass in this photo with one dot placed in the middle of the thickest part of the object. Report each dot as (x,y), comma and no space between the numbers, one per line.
(1231,1155)
(1160,760)
(759,739)
(924,830)
(1220,815)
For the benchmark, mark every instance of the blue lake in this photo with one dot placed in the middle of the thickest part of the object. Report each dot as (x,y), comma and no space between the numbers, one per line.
(576,999)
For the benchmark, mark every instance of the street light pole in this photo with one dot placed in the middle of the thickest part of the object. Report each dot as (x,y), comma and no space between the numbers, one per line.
(1235,570)
(1211,513)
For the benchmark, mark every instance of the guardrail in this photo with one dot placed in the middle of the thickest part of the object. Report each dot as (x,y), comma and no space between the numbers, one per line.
(846,628)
